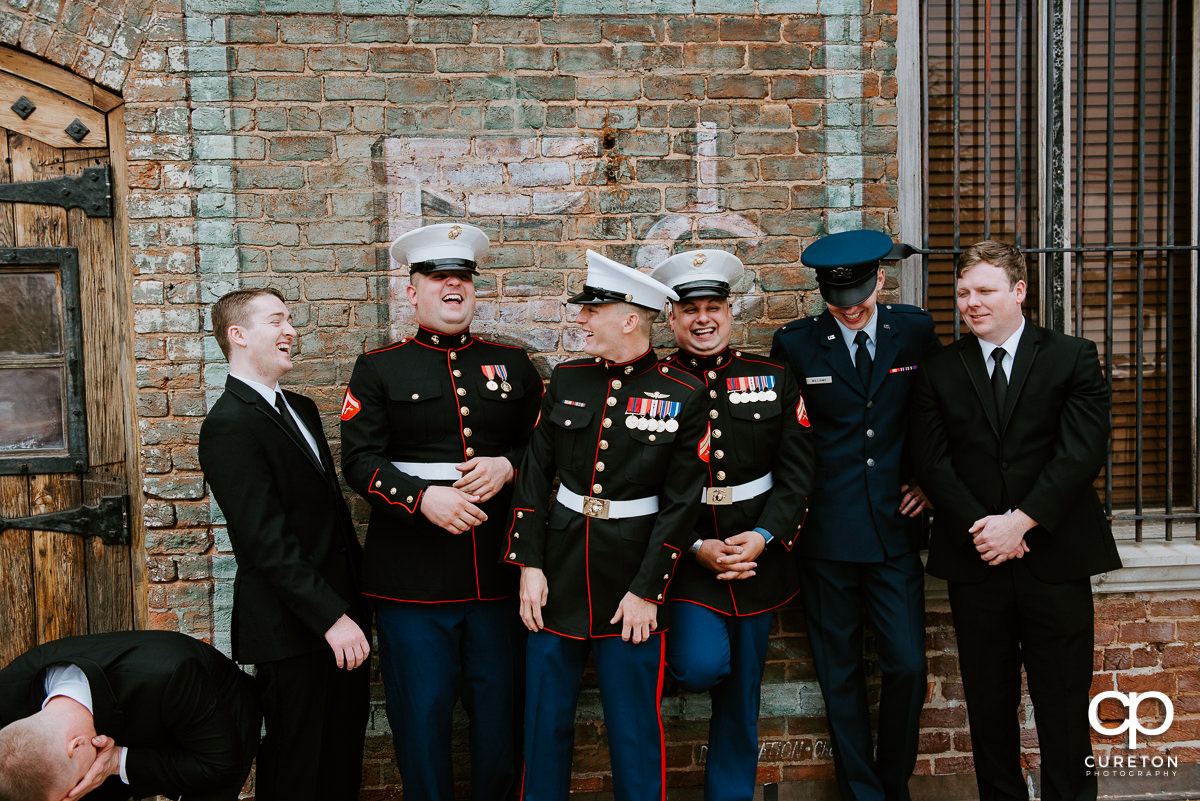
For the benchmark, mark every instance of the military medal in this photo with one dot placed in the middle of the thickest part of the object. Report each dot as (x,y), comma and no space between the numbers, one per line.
(493,372)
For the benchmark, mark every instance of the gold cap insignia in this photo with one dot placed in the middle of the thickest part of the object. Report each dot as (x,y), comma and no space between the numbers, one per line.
(699,259)
(454,232)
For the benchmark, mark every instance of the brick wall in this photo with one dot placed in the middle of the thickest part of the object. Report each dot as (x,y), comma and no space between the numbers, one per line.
(286,142)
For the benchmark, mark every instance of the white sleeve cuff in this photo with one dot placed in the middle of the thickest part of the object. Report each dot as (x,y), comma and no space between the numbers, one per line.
(124,756)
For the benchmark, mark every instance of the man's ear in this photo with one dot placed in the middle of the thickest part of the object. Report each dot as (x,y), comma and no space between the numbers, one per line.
(75,743)
(411,290)
(236,335)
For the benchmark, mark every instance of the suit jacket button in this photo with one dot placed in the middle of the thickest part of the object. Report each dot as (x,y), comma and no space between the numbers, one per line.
(870,404)
(870,432)
(870,463)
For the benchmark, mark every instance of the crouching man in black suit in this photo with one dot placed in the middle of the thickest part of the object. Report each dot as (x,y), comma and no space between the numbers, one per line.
(125,714)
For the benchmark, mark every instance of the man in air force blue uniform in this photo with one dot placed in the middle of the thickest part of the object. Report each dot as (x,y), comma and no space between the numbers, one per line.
(856,364)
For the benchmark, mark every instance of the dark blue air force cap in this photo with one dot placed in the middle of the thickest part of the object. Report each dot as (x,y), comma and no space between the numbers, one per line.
(847,264)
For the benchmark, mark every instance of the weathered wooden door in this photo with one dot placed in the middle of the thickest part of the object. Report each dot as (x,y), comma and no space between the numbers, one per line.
(53,127)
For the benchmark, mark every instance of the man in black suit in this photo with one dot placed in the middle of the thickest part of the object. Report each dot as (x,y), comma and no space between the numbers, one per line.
(296,595)
(125,714)
(1010,428)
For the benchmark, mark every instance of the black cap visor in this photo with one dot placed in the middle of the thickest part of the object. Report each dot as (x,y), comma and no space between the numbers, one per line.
(702,289)
(847,296)
(444,266)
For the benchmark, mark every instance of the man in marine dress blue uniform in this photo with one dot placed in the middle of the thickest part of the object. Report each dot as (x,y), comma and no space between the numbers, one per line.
(856,364)
(432,429)
(760,466)
(621,432)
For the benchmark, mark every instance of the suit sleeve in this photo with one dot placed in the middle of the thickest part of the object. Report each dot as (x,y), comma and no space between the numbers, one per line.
(674,527)
(204,750)
(929,442)
(531,490)
(365,436)
(249,495)
(1082,444)
(794,468)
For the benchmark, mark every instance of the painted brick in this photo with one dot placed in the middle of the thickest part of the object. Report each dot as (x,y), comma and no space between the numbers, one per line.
(586,59)
(477,59)
(444,31)
(296,90)
(703,57)
(737,86)
(402,59)
(347,88)
(750,29)
(648,57)
(270,59)
(386,30)
(312,29)
(528,58)
(611,88)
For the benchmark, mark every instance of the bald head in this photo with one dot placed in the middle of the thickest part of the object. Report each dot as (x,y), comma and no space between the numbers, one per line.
(43,756)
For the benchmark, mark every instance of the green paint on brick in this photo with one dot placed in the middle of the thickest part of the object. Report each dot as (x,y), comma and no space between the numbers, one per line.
(789,6)
(528,58)
(490,88)
(617,7)
(725,6)
(608,88)
(571,31)
(376,7)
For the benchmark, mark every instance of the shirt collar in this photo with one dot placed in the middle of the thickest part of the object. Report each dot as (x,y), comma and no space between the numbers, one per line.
(1009,345)
(436,339)
(268,393)
(871,327)
(639,365)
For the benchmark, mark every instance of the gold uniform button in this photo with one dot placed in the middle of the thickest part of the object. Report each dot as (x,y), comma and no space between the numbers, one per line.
(629,370)
(453,355)
(603,444)
(416,395)
(712,373)
(616,384)
(712,393)
(512,555)
(717,433)
(462,391)
(664,370)
(757,416)
(720,475)
(660,594)
(516,535)
(714,414)
(457,373)
(470,452)
(409,499)
(607,422)
(611,401)
(567,423)
(378,483)
(599,467)
(666,576)
(652,437)
(674,556)
(520,514)
(392,491)
(464,411)
(719,454)
(597,488)
(466,432)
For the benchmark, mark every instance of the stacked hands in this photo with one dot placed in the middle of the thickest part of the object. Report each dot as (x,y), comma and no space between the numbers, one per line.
(454,508)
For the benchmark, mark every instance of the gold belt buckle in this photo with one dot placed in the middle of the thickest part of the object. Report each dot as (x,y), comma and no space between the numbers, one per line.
(718,496)
(595,507)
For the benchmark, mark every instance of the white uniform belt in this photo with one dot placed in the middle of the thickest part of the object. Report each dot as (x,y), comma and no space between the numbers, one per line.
(722,496)
(430,471)
(606,509)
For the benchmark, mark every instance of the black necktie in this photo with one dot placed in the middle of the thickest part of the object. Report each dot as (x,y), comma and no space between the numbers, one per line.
(289,422)
(999,380)
(862,359)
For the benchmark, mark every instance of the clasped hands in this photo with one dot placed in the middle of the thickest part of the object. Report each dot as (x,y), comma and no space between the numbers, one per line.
(454,508)
(999,538)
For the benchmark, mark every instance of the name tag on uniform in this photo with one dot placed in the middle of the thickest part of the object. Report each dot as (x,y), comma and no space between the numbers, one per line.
(819,379)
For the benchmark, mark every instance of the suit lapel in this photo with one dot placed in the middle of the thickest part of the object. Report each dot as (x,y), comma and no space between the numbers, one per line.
(1027,350)
(972,360)
(837,355)
(313,424)
(248,395)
